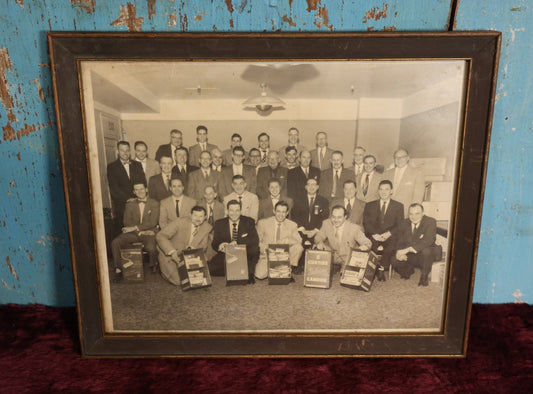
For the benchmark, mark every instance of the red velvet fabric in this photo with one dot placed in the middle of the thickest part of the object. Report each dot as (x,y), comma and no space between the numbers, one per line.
(39,352)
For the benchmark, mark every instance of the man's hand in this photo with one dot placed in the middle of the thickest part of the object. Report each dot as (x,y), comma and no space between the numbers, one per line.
(364,248)
(377,237)
(129,229)
(320,246)
(385,236)
(222,247)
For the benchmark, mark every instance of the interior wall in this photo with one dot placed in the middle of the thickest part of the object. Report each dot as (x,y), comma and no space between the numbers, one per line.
(379,137)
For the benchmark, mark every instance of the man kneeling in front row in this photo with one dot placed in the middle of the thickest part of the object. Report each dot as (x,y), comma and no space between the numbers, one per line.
(187,232)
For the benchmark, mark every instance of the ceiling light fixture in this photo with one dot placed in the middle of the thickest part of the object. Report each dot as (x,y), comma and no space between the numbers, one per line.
(264,104)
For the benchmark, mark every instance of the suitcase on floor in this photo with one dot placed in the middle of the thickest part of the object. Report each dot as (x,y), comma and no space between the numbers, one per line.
(193,270)
(236,265)
(360,270)
(131,259)
(317,271)
(279,264)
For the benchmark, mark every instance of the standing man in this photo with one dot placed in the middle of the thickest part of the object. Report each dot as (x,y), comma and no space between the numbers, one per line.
(254,159)
(353,206)
(159,185)
(297,177)
(236,140)
(321,155)
(291,157)
(310,212)
(150,166)
(277,229)
(273,170)
(191,231)
(294,141)
(176,205)
(202,177)
(122,174)
(169,150)
(409,185)
(415,246)
(332,179)
(264,147)
(266,205)
(182,170)
(249,203)
(369,180)
(237,168)
(235,229)
(382,218)
(358,156)
(140,220)
(202,145)
(340,236)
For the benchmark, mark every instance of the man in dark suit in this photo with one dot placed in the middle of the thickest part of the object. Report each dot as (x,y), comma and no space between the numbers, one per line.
(217,157)
(415,245)
(332,179)
(293,141)
(150,166)
(140,221)
(159,185)
(297,177)
(202,145)
(122,174)
(176,141)
(236,230)
(381,219)
(310,212)
(354,207)
(236,140)
(237,167)
(273,170)
(321,155)
(266,205)
(368,181)
(181,169)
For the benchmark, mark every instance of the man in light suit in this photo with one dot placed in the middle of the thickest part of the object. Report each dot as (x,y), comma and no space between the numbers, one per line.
(176,205)
(140,221)
(332,179)
(236,140)
(235,229)
(415,245)
(297,177)
(368,181)
(216,156)
(321,155)
(294,141)
(266,205)
(237,167)
(202,145)
(278,229)
(273,170)
(181,169)
(340,236)
(159,185)
(408,182)
(150,166)
(176,141)
(354,207)
(122,174)
(358,157)
(249,201)
(381,219)
(263,140)
(202,177)
(188,232)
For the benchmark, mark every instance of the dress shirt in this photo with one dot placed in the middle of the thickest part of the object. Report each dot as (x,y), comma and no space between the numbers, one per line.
(398,174)
(237,169)
(143,163)
(126,166)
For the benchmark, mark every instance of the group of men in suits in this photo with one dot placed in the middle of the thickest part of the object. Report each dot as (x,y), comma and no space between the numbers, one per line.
(244,198)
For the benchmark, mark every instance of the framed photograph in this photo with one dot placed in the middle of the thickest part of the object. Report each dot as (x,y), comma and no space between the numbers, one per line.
(412,109)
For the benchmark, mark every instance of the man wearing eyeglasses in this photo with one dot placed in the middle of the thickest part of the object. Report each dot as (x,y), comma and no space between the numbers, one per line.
(237,167)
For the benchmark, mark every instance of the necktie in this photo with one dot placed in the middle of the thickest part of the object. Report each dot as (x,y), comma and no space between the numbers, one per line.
(348,208)
(168,182)
(178,208)
(278,232)
(382,213)
(322,157)
(263,155)
(142,203)
(234,232)
(306,171)
(195,231)
(205,174)
(240,200)
(365,184)
(311,203)
(210,215)
(415,226)
(335,182)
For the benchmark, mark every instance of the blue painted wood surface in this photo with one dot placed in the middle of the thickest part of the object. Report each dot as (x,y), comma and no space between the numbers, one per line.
(34,248)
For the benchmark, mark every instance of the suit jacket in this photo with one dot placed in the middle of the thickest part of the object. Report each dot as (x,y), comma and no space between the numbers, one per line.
(227,157)
(248,172)
(310,218)
(266,230)
(393,218)
(266,209)
(247,235)
(263,176)
(250,204)
(411,188)
(152,167)
(164,150)
(167,211)
(194,153)
(176,174)
(132,215)
(299,148)
(326,163)
(326,183)
(197,183)
(352,237)
(218,209)
(157,187)
(120,185)
(176,236)
(296,181)
(356,213)
(372,191)
(423,237)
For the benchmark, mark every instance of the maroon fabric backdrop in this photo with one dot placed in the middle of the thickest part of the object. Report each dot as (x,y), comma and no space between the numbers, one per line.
(39,352)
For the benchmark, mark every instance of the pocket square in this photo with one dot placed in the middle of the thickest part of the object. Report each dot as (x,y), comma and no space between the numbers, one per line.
(421,236)
(244,235)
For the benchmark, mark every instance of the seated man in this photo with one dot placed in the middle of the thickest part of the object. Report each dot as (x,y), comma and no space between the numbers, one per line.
(278,229)
(249,201)
(266,205)
(235,229)
(415,245)
(176,205)
(187,232)
(310,212)
(140,223)
(340,236)
(382,218)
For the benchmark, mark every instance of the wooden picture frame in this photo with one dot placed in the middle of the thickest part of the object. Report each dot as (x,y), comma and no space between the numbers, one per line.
(473,57)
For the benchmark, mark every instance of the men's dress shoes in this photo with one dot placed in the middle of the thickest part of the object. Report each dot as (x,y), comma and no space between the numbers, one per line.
(423,281)
(381,274)
(117,277)
(153,268)
(298,270)
(251,280)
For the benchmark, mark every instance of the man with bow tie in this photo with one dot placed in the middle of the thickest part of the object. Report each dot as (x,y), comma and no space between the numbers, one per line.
(140,224)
